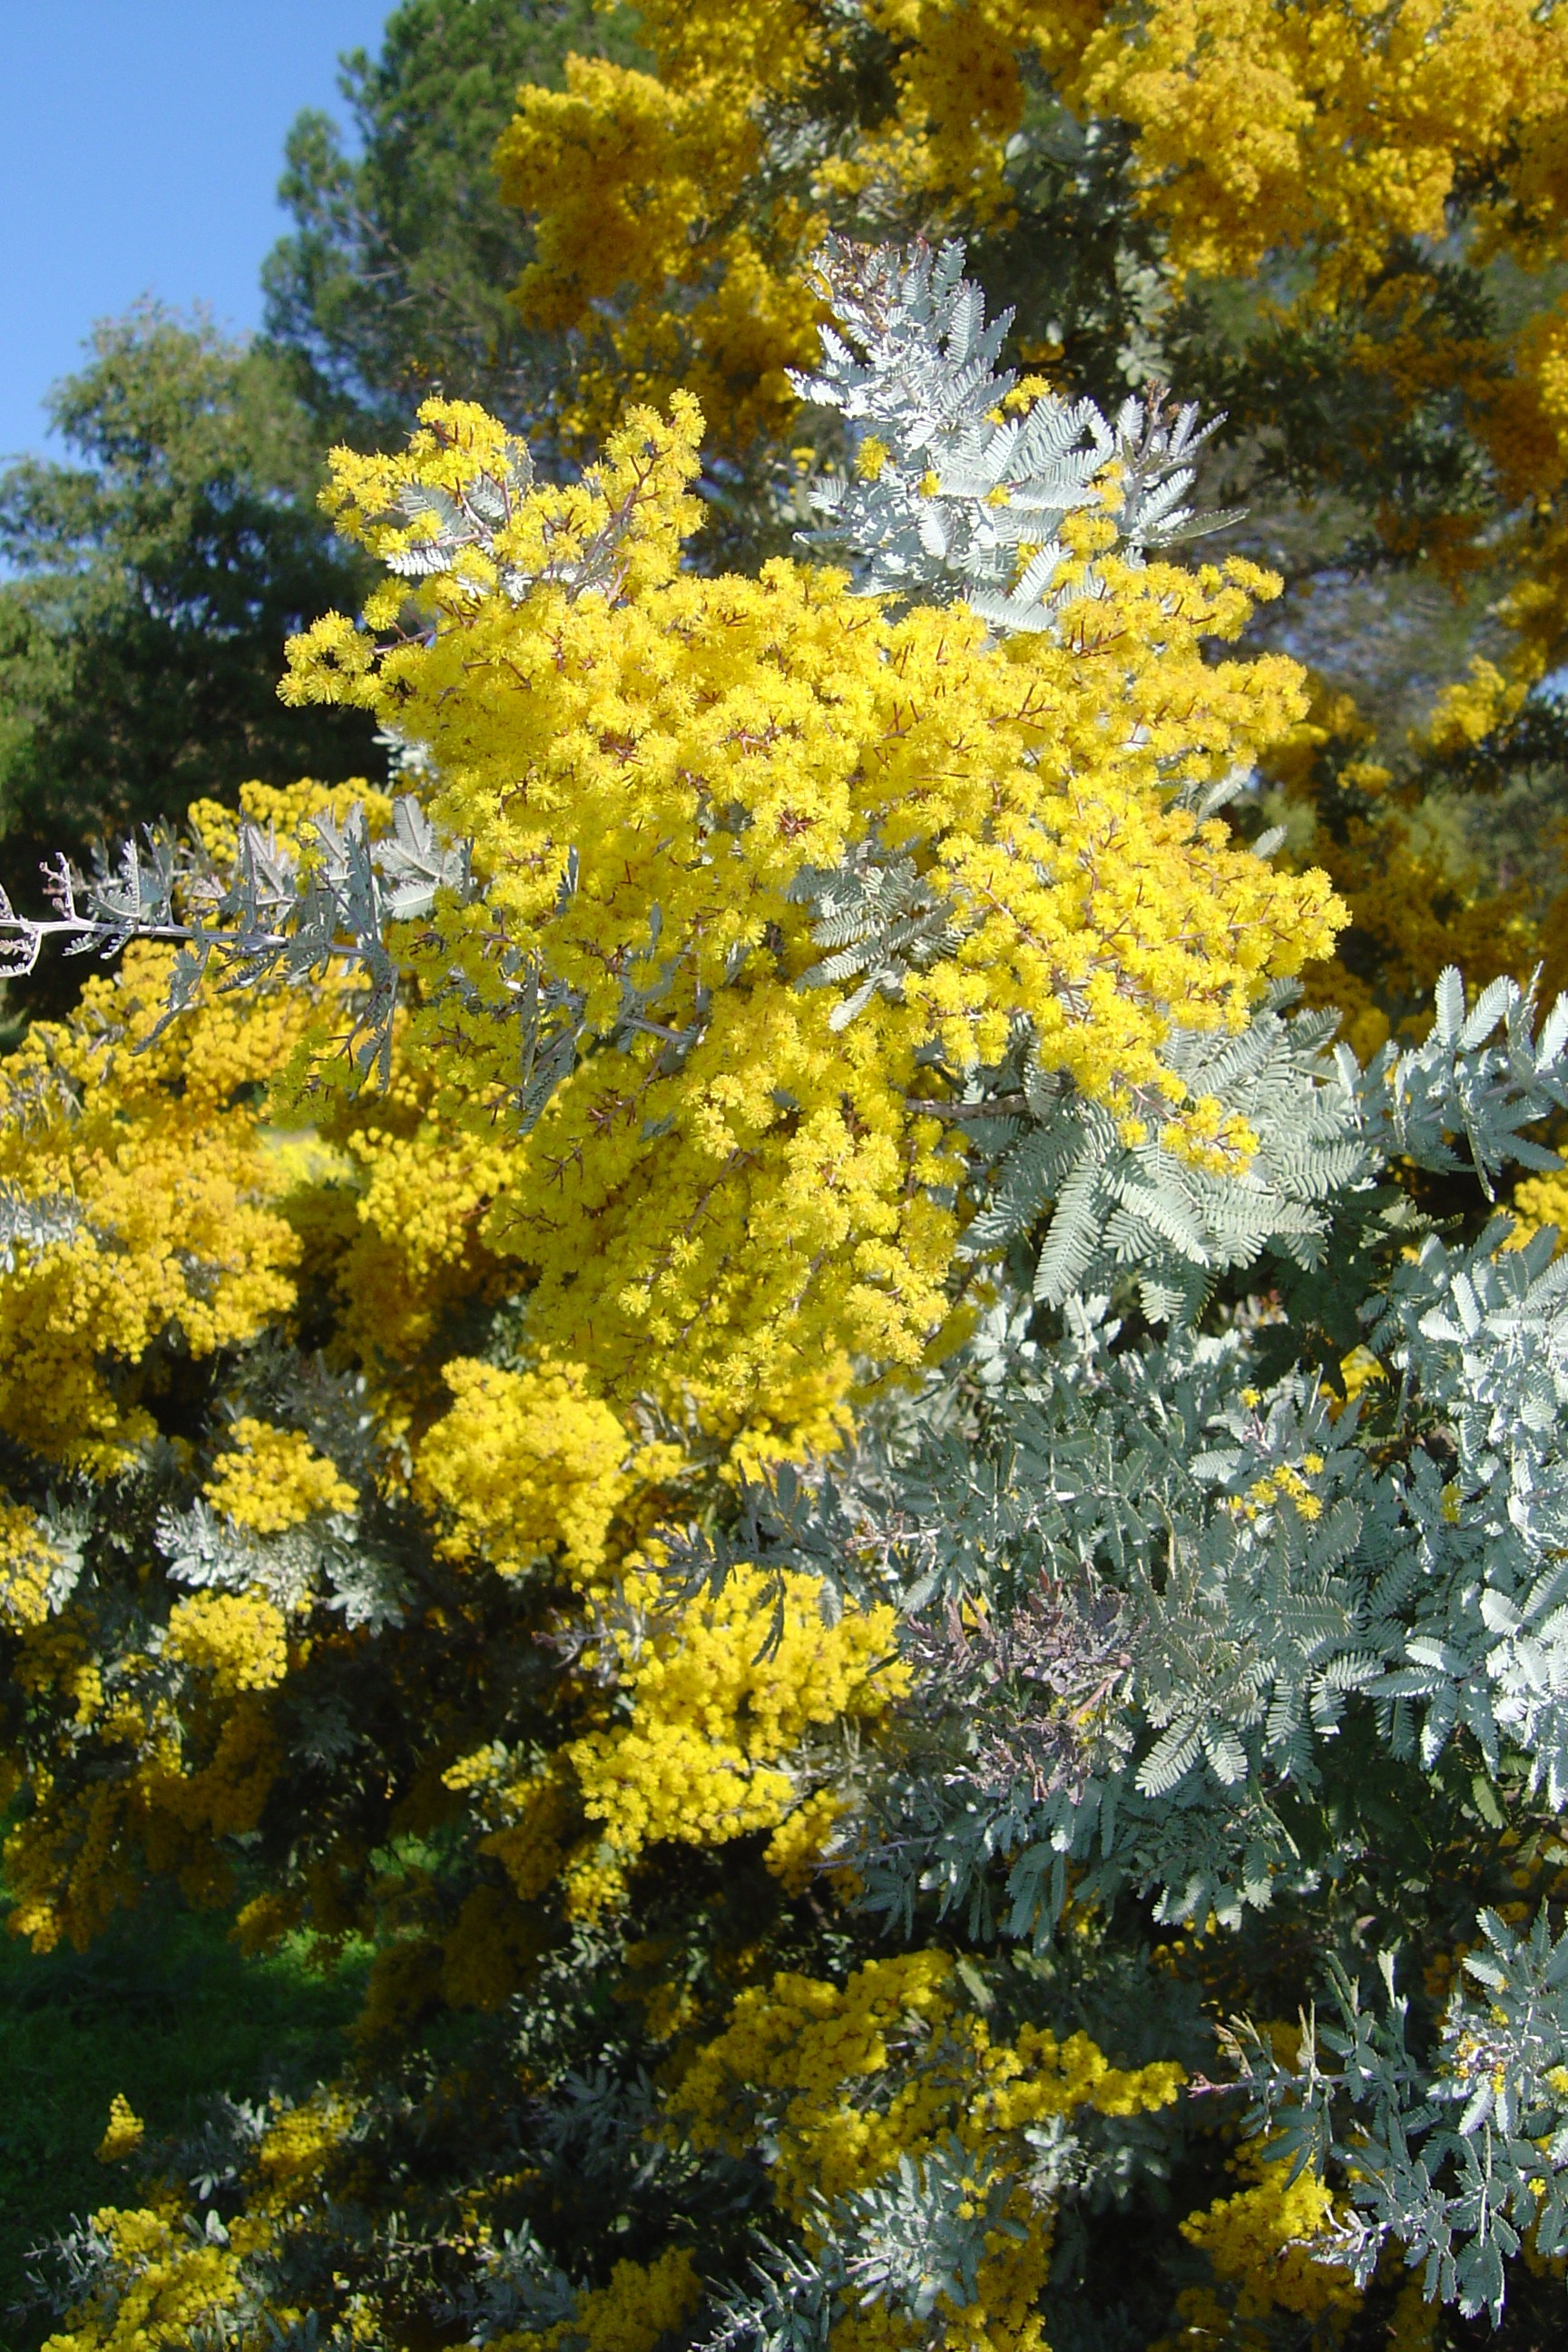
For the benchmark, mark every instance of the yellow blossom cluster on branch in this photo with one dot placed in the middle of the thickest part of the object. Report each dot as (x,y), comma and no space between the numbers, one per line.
(161,1732)
(269,1479)
(162,2278)
(893,2067)
(1382,187)
(28,1563)
(529,1462)
(1270,2247)
(648,771)
(716,1704)
(693,194)
(844,2083)
(164,1220)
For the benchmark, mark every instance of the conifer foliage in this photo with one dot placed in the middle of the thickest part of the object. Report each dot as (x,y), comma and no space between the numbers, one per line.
(734,1374)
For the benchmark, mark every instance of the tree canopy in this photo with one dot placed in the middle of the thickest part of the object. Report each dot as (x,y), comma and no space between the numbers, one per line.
(395,278)
(152,584)
(1290,215)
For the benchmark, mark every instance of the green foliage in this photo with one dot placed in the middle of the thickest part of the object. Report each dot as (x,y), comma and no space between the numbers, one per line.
(152,584)
(394,281)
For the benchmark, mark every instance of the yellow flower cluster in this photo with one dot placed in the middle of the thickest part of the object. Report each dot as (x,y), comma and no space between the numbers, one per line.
(125,2131)
(637,2312)
(269,1479)
(1537,1202)
(288,812)
(840,2083)
(1285,1484)
(647,769)
(631,175)
(1469,709)
(1331,143)
(170,1233)
(796,1850)
(29,1561)
(389,1200)
(152,1150)
(375,1209)
(1418,896)
(238,1638)
(1267,2246)
(1258,128)
(729,1211)
(713,1698)
(715,1706)
(958,101)
(168,2282)
(525,1463)
(1261,126)
(1205,1136)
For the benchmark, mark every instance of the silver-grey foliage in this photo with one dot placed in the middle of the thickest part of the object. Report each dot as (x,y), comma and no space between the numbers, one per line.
(30,1226)
(1144,1594)
(1263,1563)
(1456,2160)
(273,915)
(950,495)
(1323,1127)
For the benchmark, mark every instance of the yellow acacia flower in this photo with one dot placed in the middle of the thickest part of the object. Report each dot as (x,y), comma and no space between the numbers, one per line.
(778,1195)
(270,1479)
(1537,1202)
(239,1638)
(125,2131)
(1269,2247)
(795,1849)
(173,1226)
(716,1706)
(1285,1484)
(637,2311)
(526,1464)
(29,1561)
(164,2285)
(166,2279)
(846,2080)
(1330,141)
(1201,1133)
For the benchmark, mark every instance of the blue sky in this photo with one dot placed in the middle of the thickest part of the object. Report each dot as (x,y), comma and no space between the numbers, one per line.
(140,142)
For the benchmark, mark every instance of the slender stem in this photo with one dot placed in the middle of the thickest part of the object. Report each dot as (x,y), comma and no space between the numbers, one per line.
(999,1107)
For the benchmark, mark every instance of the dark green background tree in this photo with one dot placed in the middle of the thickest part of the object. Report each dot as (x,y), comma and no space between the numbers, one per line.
(393,280)
(153,582)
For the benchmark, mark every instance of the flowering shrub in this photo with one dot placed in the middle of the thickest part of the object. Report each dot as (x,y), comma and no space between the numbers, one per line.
(640,1515)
